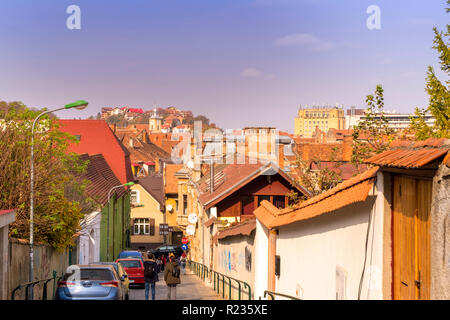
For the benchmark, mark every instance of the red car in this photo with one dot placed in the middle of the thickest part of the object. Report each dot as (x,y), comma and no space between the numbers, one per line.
(135,270)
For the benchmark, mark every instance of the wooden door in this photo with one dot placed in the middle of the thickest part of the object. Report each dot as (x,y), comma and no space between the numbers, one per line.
(411,238)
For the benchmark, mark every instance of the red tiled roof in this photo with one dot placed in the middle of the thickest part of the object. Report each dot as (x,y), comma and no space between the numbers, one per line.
(231,177)
(348,192)
(171,182)
(2,212)
(411,154)
(97,137)
(209,222)
(244,228)
(101,178)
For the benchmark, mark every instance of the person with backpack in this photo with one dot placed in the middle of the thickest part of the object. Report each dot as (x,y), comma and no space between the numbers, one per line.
(150,274)
(172,277)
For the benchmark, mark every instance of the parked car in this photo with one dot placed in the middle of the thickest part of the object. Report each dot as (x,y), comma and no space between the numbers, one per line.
(166,249)
(93,282)
(122,274)
(135,270)
(130,254)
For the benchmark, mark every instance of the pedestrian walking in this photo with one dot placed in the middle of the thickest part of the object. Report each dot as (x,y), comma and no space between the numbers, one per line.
(164,261)
(183,262)
(159,262)
(172,277)
(150,274)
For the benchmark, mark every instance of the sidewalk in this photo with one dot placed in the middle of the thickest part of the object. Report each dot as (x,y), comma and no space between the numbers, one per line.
(191,288)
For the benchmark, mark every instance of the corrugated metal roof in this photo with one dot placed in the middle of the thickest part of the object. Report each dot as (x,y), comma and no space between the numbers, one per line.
(411,154)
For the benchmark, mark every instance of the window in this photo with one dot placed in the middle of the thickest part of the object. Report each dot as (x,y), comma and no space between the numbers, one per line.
(185,204)
(277,266)
(142,226)
(261,198)
(279,202)
(134,196)
(176,204)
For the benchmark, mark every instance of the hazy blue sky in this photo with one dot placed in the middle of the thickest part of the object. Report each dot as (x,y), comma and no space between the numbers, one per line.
(239,62)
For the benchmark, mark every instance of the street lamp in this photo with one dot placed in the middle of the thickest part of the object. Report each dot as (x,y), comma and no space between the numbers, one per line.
(79,105)
(128,184)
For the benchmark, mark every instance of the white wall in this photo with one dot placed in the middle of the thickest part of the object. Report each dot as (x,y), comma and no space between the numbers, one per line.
(261,251)
(311,250)
(89,244)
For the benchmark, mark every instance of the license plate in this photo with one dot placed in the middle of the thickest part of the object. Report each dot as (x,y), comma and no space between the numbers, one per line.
(131,281)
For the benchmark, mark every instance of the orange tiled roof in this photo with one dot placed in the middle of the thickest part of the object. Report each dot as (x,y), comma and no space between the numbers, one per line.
(411,154)
(170,181)
(348,192)
(244,228)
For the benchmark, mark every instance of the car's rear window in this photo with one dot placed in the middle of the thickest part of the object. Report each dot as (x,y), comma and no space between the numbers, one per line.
(93,274)
(130,263)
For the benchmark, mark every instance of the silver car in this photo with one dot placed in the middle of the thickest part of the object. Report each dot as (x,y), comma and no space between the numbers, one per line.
(90,282)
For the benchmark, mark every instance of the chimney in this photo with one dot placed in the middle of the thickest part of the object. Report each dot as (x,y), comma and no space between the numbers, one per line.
(281,156)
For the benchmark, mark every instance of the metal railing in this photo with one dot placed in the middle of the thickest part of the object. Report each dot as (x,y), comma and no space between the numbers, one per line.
(33,283)
(203,272)
(273,294)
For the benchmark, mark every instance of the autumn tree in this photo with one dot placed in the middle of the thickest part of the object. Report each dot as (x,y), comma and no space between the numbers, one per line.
(438,91)
(57,177)
(315,176)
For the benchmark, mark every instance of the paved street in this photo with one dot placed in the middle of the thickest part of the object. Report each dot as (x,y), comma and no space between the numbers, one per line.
(191,288)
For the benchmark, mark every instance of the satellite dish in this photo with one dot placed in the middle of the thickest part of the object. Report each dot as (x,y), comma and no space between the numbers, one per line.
(169,208)
(192,218)
(190,164)
(190,230)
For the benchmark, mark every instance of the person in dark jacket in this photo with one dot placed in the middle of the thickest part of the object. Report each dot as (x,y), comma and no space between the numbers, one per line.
(172,277)
(150,274)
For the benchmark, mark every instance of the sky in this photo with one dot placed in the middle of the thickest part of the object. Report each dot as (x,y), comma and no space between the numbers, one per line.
(238,62)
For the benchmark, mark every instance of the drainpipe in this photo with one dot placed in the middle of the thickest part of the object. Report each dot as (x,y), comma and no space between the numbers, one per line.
(211,176)
(272,252)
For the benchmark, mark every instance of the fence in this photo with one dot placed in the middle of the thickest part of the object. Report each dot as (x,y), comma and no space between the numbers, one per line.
(43,284)
(272,295)
(204,273)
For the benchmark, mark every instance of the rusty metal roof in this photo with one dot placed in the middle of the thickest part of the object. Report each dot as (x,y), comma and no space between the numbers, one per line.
(411,154)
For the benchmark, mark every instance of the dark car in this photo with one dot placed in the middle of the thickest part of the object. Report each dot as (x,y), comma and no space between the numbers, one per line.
(130,255)
(166,249)
(90,282)
(122,274)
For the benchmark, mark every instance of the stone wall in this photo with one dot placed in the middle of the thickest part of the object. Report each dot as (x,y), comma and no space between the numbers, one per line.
(46,259)
(440,235)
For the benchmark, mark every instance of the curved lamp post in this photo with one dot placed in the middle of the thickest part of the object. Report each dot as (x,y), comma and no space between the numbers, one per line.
(128,184)
(79,105)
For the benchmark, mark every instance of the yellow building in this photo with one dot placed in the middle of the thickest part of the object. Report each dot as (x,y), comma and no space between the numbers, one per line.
(147,213)
(324,118)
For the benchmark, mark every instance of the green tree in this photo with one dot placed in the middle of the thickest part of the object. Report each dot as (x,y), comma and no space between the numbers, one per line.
(57,177)
(372,135)
(439,94)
